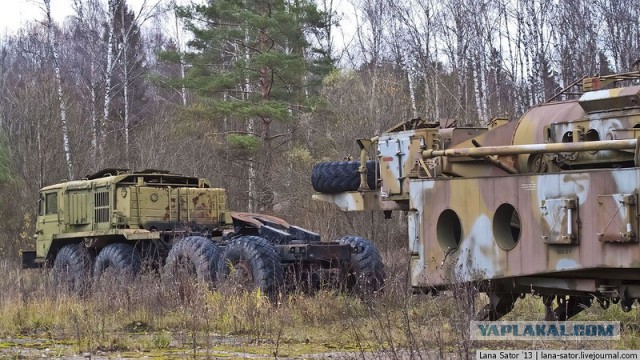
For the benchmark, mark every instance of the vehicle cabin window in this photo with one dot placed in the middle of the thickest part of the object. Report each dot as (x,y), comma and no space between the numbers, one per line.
(51,203)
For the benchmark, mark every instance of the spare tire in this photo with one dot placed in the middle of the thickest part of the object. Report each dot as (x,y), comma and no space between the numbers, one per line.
(340,176)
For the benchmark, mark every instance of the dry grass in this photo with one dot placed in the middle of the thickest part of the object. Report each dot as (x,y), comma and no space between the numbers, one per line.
(153,315)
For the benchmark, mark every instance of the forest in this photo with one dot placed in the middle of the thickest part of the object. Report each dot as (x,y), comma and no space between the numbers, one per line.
(251,94)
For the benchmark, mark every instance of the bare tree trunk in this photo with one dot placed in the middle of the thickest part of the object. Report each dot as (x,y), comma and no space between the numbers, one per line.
(412,91)
(107,78)
(266,74)
(250,129)
(183,89)
(436,87)
(328,8)
(63,112)
(125,33)
(40,154)
(521,54)
(94,109)
(476,73)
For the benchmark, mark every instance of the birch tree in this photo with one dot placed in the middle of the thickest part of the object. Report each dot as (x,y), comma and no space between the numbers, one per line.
(420,17)
(576,45)
(131,69)
(108,76)
(87,30)
(455,35)
(621,31)
(66,147)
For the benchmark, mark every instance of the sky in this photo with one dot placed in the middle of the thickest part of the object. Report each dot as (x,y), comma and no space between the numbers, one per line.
(16,13)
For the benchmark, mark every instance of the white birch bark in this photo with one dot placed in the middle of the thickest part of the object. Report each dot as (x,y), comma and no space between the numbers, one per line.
(66,148)
(250,130)
(180,45)
(412,93)
(94,109)
(108,78)
(436,88)
(475,73)
(521,54)
(125,33)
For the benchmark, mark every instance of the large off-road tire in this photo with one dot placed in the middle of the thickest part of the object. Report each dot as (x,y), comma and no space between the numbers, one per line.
(195,255)
(252,262)
(72,268)
(366,272)
(123,260)
(150,254)
(340,176)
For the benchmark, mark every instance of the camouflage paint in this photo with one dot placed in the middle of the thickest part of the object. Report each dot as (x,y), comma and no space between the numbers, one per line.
(570,169)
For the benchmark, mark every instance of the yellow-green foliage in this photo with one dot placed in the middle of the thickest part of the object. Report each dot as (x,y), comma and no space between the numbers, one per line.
(180,317)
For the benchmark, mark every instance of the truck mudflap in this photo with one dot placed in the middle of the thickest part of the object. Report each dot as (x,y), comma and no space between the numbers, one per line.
(29,260)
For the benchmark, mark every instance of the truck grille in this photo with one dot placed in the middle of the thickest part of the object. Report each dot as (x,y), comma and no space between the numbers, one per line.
(101,201)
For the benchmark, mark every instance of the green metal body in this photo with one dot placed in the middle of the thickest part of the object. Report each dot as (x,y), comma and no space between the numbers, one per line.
(116,205)
(151,209)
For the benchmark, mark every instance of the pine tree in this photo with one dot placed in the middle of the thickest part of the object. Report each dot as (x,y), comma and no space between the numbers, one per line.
(255,72)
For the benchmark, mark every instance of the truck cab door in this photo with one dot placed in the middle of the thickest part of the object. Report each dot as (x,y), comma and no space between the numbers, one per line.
(48,223)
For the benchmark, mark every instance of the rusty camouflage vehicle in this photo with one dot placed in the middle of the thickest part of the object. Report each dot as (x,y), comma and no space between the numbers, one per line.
(546,205)
(116,220)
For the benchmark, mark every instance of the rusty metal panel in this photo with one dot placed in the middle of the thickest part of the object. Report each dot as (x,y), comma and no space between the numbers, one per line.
(478,255)
(153,205)
(610,99)
(617,218)
(560,221)
(202,206)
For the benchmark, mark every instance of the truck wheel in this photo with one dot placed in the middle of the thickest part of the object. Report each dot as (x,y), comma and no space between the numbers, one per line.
(150,255)
(252,262)
(72,268)
(122,258)
(197,255)
(366,272)
(340,176)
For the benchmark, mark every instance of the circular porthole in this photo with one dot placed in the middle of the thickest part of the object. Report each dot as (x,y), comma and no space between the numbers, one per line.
(449,230)
(592,135)
(506,226)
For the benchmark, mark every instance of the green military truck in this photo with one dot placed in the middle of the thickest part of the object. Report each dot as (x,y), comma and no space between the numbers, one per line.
(118,220)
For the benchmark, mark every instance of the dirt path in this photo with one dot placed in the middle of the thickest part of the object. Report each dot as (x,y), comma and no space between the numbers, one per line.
(37,348)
